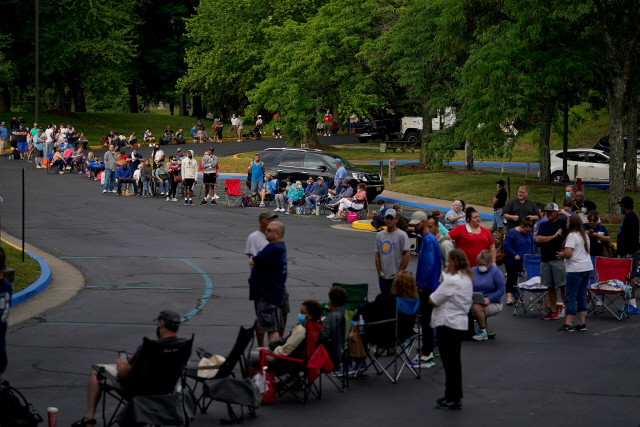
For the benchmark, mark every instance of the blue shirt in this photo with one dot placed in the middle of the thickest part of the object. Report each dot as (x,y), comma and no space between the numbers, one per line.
(490,283)
(429,263)
(257,175)
(340,173)
(194,133)
(5,304)
(124,172)
(3,133)
(37,142)
(269,274)
(595,244)
(272,187)
(516,243)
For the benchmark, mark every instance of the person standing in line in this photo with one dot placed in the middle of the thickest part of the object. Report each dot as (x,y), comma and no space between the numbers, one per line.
(578,267)
(427,279)
(515,210)
(392,251)
(452,302)
(550,236)
(518,242)
(3,138)
(256,242)
(5,307)
(498,203)
(328,120)
(597,233)
(629,247)
(234,126)
(209,168)
(257,177)
(267,282)
(239,126)
(48,143)
(341,175)
(190,176)
(446,245)
(110,166)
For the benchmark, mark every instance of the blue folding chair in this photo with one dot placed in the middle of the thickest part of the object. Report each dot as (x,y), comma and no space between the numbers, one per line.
(538,292)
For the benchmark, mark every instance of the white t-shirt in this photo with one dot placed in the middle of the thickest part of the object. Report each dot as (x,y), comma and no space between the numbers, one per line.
(159,155)
(255,243)
(234,121)
(580,260)
(49,133)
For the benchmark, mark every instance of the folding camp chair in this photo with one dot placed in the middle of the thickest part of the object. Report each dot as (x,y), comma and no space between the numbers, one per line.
(404,340)
(611,287)
(301,377)
(232,189)
(239,355)
(529,281)
(269,199)
(50,166)
(156,372)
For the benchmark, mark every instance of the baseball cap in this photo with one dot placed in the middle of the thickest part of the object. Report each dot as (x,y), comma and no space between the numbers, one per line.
(169,315)
(627,201)
(211,148)
(267,215)
(551,207)
(417,217)
(2,123)
(320,178)
(500,182)
(337,161)
(121,133)
(390,212)
(179,150)
(435,213)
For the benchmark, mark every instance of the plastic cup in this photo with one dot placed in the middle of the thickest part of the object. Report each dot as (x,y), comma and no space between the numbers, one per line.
(52,414)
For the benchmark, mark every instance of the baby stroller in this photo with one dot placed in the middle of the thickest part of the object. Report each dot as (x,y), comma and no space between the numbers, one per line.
(256,133)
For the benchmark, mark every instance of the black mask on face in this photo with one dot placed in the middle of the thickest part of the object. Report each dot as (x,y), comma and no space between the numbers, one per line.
(158,332)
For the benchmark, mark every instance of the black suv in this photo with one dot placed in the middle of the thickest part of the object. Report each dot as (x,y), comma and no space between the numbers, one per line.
(603,144)
(301,163)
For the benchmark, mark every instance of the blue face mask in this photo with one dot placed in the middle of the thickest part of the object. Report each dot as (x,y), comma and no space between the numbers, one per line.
(621,211)
(568,194)
(302,319)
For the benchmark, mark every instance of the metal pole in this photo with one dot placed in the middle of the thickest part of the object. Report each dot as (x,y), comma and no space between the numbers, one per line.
(553,194)
(22,214)
(381,171)
(501,168)
(526,175)
(38,62)
(575,173)
(509,187)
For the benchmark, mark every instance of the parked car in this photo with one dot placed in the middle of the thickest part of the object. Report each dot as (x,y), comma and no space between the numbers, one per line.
(301,163)
(593,165)
(603,145)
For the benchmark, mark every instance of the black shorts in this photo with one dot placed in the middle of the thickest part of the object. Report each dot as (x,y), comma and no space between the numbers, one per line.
(208,178)
(188,182)
(39,153)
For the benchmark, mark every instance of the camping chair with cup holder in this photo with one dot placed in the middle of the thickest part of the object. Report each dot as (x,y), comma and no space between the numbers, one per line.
(234,192)
(529,282)
(610,291)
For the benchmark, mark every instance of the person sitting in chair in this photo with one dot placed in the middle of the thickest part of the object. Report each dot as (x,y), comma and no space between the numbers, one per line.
(168,135)
(58,160)
(488,280)
(295,195)
(180,137)
(115,375)
(124,175)
(293,345)
(353,202)
(316,194)
(332,331)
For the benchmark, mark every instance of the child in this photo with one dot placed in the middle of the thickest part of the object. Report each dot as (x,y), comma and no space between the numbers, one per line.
(378,217)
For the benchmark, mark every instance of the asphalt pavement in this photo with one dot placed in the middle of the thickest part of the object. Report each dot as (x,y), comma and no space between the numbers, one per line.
(140,256)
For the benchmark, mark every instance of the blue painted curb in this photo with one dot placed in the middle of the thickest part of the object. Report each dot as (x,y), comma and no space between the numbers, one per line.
(35,288)
(513,165)
(426,207)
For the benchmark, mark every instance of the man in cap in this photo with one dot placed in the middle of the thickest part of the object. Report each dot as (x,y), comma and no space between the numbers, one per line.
(114,375)
(628,246)
(3,138)
(550,237)
(341,174)
(209,167)
(392,251)
(436,214)
(498,203)
(427,279)
(256,242)
(189,176)
(316,194)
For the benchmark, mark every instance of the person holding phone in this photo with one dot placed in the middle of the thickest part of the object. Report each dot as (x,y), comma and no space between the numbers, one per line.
(597,233)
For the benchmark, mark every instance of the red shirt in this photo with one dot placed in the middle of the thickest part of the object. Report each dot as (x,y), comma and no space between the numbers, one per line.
(471,244)
(328,118)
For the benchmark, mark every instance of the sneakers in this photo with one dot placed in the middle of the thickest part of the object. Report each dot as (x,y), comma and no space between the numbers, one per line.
(216,197)
(565,328)
(168,198)
(190,202)
(423,361)
(174,200)
(186,203)
(481,335)
(213,202)
(261,204)
(286,212)
(104,191)
(445,404)
(630,310)
(550,316)
(332,216)
(203,202)
(581,327)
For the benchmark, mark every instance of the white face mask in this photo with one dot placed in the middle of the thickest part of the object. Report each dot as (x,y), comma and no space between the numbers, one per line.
(483,268)
(497,187)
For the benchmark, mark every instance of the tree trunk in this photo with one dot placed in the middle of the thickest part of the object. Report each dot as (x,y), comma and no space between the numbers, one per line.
(81,106)
(468,154)
(197,105)
(544,135)
(73,88)
(632,136)
(427,133)
(616,92)
(61,100)
(183,105)
(5,99)
(133,99)
(310,137)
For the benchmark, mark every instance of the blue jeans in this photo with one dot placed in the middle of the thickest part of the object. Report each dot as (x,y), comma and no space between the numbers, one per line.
(385,285)
(311,202)
(109,179)
(497,219)
(145,188)
(576,289)
(164,186)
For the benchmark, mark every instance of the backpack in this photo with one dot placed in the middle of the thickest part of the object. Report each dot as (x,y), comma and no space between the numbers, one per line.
(248,202)
(15,411)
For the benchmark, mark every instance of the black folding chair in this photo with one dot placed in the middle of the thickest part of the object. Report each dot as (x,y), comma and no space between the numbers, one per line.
(239,355)
(156,372)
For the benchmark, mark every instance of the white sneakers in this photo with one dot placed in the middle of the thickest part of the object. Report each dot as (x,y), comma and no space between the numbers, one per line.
(332,216)
(168,198)
(104,191)
(262,204)
(279,210)
(174,200)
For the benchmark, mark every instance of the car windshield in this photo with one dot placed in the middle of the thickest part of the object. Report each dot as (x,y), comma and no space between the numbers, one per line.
(329,157)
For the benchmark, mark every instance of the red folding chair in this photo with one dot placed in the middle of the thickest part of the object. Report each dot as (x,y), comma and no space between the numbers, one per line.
(315,361)
(603,295)
(232,191)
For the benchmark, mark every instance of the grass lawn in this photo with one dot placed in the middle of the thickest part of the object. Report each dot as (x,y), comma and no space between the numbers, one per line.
(26,273)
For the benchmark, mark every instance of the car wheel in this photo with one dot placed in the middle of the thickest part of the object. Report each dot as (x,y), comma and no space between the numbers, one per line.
(556,177)
(412,137)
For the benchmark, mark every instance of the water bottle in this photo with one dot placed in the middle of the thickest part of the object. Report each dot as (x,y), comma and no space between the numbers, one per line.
(317,209)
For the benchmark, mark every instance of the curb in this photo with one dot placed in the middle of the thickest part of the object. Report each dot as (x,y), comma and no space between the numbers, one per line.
(365,225)
(35,288)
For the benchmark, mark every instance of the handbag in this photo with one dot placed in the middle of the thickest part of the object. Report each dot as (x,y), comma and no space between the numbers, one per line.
(356,348)
(163,177)
(352,216)
(501,256)
(15,410)
(177,179)
(214,360)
